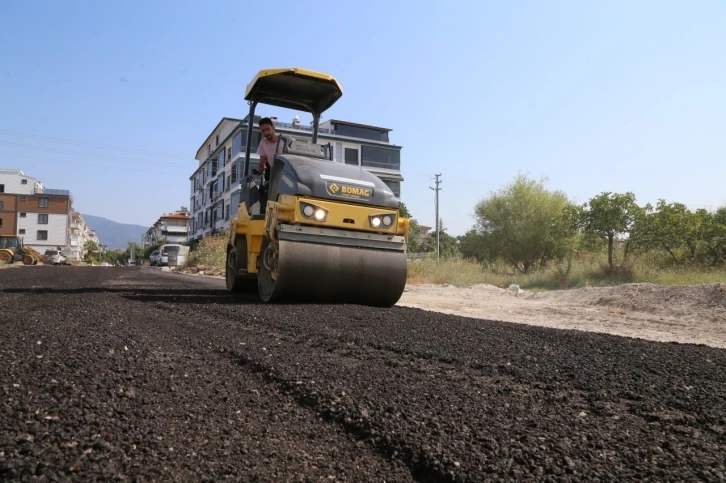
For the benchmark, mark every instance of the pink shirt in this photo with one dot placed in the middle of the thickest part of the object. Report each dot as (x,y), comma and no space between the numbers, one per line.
(266,148)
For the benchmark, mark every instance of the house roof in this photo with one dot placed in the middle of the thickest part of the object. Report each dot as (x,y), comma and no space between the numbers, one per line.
(348,123)
(206,141)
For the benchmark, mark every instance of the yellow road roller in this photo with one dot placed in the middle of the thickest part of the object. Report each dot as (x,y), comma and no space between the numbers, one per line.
(311,230)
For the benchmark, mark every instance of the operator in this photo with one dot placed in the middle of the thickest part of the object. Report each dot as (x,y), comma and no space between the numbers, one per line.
(270,144)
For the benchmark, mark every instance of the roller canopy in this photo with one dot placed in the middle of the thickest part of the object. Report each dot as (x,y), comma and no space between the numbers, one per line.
(294,88)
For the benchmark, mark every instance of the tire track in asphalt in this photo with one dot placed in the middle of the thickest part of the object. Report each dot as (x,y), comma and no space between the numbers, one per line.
(117,390)
(610,397)
(452,398)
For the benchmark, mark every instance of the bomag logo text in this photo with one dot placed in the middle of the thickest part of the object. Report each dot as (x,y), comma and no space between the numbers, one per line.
(355,191)
(350,192)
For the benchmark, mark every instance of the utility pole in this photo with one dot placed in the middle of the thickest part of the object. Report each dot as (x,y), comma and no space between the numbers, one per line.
(437,189)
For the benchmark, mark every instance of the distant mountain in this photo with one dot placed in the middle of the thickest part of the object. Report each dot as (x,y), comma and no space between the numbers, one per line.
(112,234)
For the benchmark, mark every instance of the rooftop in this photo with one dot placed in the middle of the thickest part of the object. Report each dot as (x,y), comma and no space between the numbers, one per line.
(367,126)
(54,192)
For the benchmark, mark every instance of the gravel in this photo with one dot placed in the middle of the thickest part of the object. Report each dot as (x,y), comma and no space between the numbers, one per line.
(136,375)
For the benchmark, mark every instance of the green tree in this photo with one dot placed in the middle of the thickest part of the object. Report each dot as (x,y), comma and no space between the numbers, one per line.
(671,227)
(91,252)
(526,224)
(474,245)
(714,236)
(610,215)
(448,245)
(414,231)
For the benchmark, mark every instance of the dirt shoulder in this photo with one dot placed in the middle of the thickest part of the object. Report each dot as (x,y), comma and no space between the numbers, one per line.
(688,314)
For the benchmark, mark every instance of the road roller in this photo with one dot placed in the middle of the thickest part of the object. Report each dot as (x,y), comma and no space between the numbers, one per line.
(312,230)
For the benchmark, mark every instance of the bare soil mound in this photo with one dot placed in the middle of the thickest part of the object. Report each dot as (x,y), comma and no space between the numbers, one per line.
(695,302)
(686,314)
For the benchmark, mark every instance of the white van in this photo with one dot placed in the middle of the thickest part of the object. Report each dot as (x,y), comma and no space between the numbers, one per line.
(173,254)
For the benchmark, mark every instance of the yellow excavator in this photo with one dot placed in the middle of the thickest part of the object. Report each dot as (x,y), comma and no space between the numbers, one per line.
(311,229)
(12,250)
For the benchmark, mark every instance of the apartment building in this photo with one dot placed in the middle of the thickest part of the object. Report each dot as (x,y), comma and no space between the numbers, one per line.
(172,227)
(80,233)
(215,184)
(39,215)
(8,210)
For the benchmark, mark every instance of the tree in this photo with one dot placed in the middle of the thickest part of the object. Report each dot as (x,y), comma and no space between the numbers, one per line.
(526,224)
(474,245)
(414,231)
(448,245)
(713,232)
(610,215)
(91,252)
(671,227)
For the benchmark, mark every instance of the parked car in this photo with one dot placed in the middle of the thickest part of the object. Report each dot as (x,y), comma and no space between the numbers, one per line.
(155,258)
(53,257)
(173,254)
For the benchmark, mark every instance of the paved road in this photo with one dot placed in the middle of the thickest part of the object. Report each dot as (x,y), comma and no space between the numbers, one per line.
(139,375)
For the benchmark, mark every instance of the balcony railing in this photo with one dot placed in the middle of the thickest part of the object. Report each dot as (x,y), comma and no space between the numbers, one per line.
(302,127)
(53,192)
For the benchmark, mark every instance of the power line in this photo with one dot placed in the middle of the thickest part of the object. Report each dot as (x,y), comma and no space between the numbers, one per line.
(97,145)
(93,155)
(111,166)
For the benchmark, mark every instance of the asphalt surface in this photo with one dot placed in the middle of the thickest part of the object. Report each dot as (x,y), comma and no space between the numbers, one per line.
(131,374)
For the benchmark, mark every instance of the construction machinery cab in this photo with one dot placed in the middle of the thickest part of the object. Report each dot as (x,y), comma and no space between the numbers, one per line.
(12,250)
(10,242)
(312,229)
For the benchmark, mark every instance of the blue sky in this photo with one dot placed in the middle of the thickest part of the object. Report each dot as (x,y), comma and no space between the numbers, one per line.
(596,96)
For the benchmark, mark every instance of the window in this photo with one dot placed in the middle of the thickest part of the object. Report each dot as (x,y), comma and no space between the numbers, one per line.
(42,234)
(361,132)
(2,205)
(351,156)
(23,181)
(42,219)
(43,202)
(2,188)
(395,187)
(1,222)
(375,157)
(23,198)
(23,215)
(21,231)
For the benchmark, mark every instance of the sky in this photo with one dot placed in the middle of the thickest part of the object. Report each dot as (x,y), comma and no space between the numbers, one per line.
(111,100)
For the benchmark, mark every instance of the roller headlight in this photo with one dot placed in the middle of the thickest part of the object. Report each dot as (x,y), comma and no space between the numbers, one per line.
(314,212)
(385,220)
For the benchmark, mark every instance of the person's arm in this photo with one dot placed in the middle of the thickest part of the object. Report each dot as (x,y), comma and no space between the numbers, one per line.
(263,158)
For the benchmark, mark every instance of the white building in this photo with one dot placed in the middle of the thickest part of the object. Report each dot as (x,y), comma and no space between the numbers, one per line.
(170,227)
(215,185)
(41,216)
(14,181)
(80,233)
